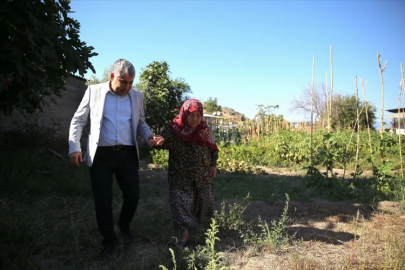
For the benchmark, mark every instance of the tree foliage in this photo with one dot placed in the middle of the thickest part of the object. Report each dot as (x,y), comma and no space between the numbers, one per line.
(344,112)
(182,90)
(105,78)
(163,96)
(40,48)
(211,106)
(264,111)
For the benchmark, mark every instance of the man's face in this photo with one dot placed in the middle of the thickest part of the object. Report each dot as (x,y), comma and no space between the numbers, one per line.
(121,85)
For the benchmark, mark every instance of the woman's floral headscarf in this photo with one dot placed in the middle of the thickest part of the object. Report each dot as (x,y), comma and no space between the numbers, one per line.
(185,132)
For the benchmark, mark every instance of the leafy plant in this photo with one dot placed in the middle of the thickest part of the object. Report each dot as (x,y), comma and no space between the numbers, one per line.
(383,175)
(160,157)
(231,219)
(206,256)
(203,257)
(173,260)
(271,237)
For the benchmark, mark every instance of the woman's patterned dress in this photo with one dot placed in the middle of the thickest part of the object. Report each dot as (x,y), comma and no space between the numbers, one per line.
(191,191)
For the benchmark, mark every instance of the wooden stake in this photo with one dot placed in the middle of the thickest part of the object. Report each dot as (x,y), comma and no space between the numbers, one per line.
(399,122)
(312,105)
(348,145)
(368,123)
(327,100)
(382,101)
(358,131)
(331,84)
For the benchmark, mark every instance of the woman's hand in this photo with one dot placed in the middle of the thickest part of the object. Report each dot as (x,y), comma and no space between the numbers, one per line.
(156,140)
(213,172)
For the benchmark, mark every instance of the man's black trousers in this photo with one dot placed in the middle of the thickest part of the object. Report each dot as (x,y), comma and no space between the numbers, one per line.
(123,164)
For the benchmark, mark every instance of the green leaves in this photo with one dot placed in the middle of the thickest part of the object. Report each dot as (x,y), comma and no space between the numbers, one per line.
(162,94)
(41,48)
(211,106)
(346,112)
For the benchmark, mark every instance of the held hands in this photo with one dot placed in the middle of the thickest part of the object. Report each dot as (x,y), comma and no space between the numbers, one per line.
(156,140)
(213,172)
(75,158)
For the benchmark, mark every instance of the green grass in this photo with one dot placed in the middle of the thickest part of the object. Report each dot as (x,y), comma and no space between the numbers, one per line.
(39,173)
(48,220)
(259,188)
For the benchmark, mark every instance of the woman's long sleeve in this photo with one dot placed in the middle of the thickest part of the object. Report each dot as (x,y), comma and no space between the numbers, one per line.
(214,158)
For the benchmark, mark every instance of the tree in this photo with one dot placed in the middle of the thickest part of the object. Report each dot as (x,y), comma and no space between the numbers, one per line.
(267,118)
(163,96)
(303,103)
(105,78)
(211,106)
(182,90)
(40,49)
(265,111)
(344,112)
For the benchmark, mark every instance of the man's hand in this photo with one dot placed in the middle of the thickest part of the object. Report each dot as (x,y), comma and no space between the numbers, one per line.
(156,140)
(213,172)
(75,157)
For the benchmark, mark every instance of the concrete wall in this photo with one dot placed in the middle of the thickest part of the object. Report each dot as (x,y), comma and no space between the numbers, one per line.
(56,115)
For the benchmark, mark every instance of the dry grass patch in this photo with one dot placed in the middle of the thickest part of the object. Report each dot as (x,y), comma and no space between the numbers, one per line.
(374,240)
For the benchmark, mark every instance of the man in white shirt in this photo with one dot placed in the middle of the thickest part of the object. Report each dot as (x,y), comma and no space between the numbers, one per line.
(116,119)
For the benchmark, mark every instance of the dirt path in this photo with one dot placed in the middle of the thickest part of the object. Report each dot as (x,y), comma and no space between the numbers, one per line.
(289,172)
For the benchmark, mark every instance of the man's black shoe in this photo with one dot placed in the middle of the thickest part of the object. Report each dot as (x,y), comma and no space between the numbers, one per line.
(125,233)
(108,252)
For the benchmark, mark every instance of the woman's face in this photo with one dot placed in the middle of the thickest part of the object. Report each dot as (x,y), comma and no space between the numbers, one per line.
(194,119)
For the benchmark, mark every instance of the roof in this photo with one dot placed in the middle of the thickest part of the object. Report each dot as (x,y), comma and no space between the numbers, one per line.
(396,110)
(212,116)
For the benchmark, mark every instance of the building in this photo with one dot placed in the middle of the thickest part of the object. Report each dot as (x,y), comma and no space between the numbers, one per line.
(393,117)
(212,120)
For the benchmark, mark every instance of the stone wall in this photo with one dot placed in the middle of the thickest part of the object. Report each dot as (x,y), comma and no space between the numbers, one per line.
(56,115)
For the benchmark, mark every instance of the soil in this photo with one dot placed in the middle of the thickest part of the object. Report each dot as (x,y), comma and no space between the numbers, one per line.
(323,234)
(286,171)
(327,235)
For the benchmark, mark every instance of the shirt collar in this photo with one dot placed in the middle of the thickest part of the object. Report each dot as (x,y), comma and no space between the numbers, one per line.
(112,92)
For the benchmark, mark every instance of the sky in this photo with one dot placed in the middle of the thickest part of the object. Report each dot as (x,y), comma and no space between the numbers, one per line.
(250,53)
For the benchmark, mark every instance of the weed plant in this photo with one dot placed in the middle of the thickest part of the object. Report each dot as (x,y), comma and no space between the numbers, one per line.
(230,217)
(272,237)
(202,257)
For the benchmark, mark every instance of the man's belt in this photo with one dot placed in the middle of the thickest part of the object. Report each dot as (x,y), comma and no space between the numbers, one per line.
(117,146)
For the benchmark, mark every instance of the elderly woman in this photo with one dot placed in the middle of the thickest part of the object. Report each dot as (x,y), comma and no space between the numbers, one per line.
(193,157)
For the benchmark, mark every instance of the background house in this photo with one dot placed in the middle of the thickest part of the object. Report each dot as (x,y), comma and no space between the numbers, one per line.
(398,128)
